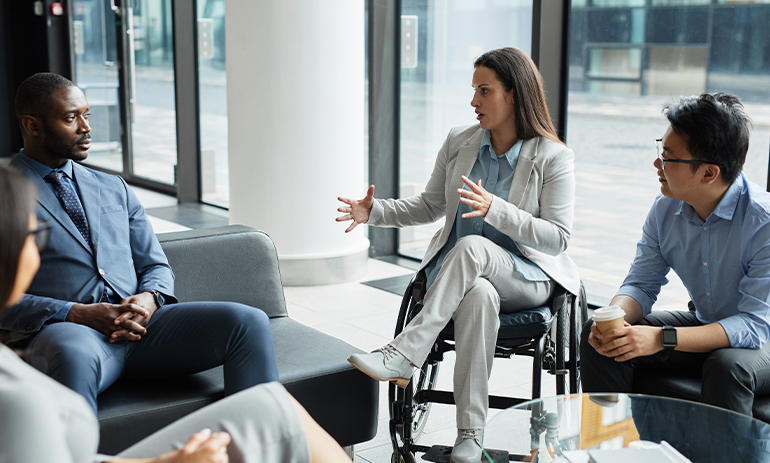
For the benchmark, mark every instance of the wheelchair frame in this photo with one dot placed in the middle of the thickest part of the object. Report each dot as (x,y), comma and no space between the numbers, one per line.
(556,351)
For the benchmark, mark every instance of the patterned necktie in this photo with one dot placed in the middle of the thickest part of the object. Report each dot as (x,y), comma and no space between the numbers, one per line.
(70,202)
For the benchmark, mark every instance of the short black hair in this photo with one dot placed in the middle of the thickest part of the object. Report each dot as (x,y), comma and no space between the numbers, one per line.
(35,95)
(17,202)
(717,128)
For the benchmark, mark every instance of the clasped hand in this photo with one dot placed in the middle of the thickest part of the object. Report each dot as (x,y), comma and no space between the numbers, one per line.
(632,341)
(119,322)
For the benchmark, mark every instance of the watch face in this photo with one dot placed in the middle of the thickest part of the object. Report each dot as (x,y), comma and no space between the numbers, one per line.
(668,337)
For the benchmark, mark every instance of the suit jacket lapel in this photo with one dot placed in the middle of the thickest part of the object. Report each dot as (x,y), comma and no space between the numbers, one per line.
(524,168)
(89,189)
(48,200)
(466,158)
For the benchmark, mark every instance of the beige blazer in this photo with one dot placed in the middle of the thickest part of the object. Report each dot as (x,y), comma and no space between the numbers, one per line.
(537,215)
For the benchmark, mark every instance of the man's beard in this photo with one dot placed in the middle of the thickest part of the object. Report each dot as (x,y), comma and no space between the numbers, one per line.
(55,146)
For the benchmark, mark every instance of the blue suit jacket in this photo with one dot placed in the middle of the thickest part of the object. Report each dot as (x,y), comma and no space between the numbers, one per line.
(125,254)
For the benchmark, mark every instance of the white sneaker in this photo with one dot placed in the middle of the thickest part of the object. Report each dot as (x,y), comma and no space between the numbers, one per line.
(467,447)
(385,364)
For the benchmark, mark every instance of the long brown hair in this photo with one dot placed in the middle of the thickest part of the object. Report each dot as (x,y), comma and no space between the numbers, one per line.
(17,202)
(517,72)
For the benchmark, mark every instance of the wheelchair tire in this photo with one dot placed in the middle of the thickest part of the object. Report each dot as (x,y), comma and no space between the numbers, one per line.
(568,331)
(576,324)
(562,346)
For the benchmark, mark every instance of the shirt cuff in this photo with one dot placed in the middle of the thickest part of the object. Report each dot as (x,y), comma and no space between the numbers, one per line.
(739,333)
(61,314)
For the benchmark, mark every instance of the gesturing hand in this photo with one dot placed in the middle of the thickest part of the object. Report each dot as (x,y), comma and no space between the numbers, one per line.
(101,317)
(357,211)
(478,198)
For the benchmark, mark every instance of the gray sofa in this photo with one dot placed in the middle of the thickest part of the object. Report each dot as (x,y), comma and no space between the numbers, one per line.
(240,264)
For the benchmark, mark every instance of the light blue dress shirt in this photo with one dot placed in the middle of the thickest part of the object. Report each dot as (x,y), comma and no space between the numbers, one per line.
(723,262)
(496,173)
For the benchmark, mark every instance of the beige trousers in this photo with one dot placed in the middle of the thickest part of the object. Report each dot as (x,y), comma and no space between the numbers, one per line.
(477,279)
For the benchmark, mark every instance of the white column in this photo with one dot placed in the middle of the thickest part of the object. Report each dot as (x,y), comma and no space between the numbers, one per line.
(295,107)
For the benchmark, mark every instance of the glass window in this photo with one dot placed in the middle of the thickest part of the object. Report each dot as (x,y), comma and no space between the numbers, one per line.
(678,25)
(212,101)
(436,88)
(96,73)
(616,93)
(153,101)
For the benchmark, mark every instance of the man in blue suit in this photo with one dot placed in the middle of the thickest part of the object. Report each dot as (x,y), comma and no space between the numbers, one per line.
(102,305)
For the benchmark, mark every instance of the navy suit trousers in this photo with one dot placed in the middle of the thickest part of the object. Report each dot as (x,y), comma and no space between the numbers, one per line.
(181,339)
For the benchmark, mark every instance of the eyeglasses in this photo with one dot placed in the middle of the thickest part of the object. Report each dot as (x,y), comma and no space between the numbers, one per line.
(663,161)
(41,235)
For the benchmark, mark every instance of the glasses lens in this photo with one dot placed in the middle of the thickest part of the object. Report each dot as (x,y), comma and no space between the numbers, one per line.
(42,234)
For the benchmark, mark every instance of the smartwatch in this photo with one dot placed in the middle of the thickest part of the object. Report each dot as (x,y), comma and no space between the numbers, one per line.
(668,337)
(159,299)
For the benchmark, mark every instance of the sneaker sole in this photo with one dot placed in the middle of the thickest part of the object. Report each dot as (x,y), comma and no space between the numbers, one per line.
(400,382)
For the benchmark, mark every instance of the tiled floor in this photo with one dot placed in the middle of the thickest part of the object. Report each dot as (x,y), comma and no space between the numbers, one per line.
(366,318)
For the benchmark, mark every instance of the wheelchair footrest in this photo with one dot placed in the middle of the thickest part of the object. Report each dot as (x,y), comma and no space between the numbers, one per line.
(441,454)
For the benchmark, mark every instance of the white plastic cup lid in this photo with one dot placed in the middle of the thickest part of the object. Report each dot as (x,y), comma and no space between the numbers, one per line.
(605,314)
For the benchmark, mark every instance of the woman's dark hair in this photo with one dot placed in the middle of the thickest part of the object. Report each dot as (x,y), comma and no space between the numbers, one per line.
(717,129)
(517,72)
(17,202)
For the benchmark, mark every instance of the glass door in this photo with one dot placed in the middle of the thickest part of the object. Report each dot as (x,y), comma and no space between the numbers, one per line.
(124,62)
(439,42)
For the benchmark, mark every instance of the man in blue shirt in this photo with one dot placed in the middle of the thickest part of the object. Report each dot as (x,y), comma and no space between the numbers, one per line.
(712,227)
(102,304)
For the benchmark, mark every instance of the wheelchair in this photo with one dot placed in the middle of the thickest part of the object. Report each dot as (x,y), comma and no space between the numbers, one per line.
(549,334)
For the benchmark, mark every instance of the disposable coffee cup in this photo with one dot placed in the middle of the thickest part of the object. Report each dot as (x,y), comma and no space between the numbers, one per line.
(609,318)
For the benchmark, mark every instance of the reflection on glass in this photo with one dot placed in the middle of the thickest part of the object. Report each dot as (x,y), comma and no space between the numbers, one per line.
(618,83)
(153,108)
(212,98)
(436,93)
(96,73)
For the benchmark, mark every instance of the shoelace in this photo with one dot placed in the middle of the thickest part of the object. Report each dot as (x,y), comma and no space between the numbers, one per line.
(473,434)
(388,351)
(470,434)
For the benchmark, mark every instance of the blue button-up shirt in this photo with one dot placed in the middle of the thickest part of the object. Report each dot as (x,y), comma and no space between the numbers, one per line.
(496,174)
(724,262)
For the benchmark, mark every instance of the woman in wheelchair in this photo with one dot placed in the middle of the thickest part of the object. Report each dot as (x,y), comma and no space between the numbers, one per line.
(506,187)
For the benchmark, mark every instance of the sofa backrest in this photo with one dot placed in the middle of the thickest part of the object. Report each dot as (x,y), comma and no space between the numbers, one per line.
(232,263)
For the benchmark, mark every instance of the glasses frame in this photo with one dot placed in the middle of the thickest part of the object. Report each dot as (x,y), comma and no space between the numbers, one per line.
(663,161)
(41,234)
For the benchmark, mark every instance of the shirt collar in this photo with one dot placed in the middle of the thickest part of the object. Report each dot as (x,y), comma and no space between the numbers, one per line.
(726,207)
(44,170)
(512,155)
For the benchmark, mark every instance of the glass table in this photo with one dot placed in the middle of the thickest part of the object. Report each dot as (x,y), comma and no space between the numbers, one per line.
(555,429)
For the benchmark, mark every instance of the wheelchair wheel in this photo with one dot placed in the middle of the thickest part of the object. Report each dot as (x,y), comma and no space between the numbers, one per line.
(424,379)
(562,346)
(568,329)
